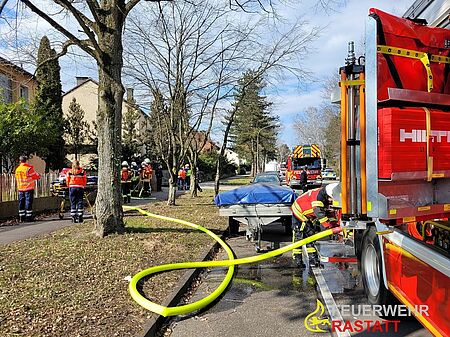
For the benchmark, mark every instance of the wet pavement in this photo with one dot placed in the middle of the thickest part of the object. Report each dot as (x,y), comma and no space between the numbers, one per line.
(273,297)
(269,298)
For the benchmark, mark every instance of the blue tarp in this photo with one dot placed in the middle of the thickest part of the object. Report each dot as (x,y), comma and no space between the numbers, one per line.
(256,194)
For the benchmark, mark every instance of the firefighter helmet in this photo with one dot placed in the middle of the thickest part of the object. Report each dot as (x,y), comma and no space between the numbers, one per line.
(124,163)
(329,189)
(147,161)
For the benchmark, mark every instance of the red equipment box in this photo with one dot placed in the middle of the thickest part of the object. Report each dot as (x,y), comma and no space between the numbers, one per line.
(402,143)
(410,72)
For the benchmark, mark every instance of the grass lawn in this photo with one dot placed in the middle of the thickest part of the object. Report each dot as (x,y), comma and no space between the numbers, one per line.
(237,181)
(72,283)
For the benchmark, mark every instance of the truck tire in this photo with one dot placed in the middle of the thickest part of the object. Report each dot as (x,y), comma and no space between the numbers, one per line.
(371,270)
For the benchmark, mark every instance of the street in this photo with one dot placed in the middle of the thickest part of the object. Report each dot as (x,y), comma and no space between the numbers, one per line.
(273,297)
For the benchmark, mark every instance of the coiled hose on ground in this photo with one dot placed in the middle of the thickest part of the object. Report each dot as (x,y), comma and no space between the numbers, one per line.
(230,263)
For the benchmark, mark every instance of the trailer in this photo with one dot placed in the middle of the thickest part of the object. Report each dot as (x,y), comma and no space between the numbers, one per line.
(256,206)
(394,190)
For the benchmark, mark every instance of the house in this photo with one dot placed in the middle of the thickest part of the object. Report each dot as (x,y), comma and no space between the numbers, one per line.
(16,83)
(209,146)
(86,94)
(233,157)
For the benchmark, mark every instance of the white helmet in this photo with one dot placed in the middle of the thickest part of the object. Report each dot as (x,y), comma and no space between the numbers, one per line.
(147,161)
(125,163)
(133,163)
(329,189)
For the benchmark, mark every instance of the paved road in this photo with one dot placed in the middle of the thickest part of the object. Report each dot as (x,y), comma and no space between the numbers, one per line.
(273,297)
(270,298)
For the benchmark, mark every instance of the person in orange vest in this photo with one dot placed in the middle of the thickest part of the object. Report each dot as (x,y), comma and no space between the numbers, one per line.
(311,214)
(181,178)
(125,182)
(76,181)
(26,178)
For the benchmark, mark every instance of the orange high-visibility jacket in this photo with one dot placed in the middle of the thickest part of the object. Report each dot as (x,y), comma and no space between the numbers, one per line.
(26,177)
(77,179)
(182,174)
(147,172)
(309,206)
(125,175)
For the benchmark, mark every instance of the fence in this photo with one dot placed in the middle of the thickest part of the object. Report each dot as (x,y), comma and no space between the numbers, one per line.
(8,187)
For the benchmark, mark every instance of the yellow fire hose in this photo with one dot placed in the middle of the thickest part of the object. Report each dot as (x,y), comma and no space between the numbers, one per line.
(230,263)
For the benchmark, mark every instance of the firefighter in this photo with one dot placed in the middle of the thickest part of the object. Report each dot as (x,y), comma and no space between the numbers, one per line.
(125,182)
(159,176)
(181,177)
(76,181)
(304,179)
(187,180)
(146,176)
(311,214)
(26,178)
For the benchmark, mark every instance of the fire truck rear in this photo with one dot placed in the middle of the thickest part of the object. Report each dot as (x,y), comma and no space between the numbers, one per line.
(304,156)
(395,164)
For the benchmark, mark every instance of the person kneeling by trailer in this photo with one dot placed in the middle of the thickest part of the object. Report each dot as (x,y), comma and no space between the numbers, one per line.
(311,213)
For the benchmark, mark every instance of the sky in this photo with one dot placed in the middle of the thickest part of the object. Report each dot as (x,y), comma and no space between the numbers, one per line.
(326,54)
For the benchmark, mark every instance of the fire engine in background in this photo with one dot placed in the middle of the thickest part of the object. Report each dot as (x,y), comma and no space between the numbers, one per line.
(304,155)
(395,164)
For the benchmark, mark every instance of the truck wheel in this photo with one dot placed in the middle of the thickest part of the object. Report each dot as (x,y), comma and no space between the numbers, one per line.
(371,270)
(233,226)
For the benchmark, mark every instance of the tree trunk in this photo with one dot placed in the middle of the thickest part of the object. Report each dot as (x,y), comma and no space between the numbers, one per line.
(108,205)
(194,182)
(172,190)
(217,178)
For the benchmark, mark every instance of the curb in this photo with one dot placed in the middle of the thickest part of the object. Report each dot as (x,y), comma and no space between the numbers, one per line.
(156,322)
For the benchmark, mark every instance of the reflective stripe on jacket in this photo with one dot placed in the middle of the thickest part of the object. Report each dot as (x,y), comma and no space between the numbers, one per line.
(307,206)
(77,179)
(26,177)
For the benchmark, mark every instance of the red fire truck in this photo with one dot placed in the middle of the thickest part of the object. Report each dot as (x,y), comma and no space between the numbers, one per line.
(304,156)
(395,164)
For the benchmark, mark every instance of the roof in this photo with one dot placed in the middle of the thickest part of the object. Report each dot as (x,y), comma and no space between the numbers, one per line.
(16,67)
(80,85)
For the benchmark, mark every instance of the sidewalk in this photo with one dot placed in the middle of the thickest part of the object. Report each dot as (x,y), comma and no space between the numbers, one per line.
(52,223)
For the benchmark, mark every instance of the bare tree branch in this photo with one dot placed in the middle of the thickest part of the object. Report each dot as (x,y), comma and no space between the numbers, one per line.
(3,5)
(84,22)
(82,44)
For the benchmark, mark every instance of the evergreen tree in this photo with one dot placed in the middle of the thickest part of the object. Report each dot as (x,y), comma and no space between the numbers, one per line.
(77,128)
(254,130)
(48,105)
(130,141)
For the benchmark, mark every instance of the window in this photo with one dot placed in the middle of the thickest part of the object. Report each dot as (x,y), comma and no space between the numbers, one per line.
(24,92)
(5,88)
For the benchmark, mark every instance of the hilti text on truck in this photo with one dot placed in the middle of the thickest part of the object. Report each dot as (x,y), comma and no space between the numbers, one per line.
(395,164)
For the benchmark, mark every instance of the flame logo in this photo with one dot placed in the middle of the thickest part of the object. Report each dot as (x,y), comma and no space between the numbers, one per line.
(314,321)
